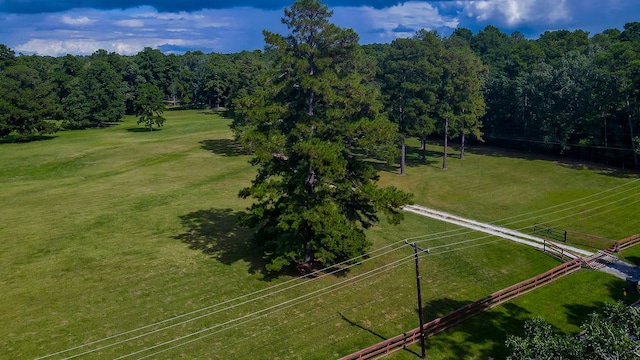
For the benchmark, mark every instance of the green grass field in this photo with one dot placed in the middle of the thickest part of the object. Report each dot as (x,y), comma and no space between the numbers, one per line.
(121,243)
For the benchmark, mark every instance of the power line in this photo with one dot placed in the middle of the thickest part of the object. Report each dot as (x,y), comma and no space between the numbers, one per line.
(425,237)
(344,284)
(305,298)
(261,313)
(449,245)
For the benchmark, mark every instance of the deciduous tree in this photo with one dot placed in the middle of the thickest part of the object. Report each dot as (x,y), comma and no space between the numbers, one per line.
(149,106)
(610,334)
(96,96)
(25,102)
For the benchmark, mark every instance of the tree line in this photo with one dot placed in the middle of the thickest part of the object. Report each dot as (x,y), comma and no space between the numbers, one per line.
(563,93)
(91,91)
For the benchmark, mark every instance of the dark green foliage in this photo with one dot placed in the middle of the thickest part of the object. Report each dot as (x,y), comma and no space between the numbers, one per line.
(26,101)
(410,75)
(7,57)
(612,334)
(96,96)
(310,127)
(564,93)
(149,106)
(556,44)
(460,99)
(152,66)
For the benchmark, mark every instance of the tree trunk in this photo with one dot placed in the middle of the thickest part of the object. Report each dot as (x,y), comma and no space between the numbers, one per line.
(462,147)
(633,142)
(424,149)
(402,157)
(446,135)
(308,256)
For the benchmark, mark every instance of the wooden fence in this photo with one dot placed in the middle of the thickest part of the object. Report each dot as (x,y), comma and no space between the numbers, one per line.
(571,237)
(624,244)
(555,250)
(586,240)
(550,232)
(466,312)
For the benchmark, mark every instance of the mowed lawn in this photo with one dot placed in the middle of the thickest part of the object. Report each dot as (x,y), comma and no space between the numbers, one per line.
(122,243)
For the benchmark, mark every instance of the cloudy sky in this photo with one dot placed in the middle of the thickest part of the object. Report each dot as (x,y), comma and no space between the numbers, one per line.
(58,27)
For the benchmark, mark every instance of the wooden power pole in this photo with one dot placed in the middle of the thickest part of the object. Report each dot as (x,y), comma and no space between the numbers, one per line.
(420,314)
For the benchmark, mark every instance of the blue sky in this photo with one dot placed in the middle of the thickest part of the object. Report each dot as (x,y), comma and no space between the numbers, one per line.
(58,27)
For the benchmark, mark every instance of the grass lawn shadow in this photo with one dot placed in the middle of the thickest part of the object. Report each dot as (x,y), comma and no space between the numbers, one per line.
(20,139)
(372,332)
(489,329)
(566,162)
(216,233)
(225,147)
(414,156)
(633,259)
(142,130)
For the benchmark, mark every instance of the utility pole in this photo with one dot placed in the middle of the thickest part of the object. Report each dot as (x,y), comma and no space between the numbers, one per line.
(420,315)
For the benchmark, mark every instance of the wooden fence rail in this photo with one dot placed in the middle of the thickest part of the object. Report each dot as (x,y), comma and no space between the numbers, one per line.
(624,244)
(571,237)
(445,322)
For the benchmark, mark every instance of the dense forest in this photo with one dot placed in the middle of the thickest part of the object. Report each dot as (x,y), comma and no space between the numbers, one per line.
(564,93)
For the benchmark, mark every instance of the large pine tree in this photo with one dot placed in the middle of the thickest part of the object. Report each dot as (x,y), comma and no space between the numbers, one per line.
(311,128)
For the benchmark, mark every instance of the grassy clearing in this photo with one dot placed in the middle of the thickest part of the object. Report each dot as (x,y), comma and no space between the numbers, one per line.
(108,231)
(512,188)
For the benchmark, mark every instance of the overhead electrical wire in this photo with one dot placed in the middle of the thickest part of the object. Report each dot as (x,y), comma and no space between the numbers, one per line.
(318,293)
(450,231)
(289,303)
(351,262)
(305,298)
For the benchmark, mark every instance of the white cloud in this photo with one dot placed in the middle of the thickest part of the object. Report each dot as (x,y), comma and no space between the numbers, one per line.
(516,12)
(135,23)
(201,19)
(81,20)
(87,46)
(400,20)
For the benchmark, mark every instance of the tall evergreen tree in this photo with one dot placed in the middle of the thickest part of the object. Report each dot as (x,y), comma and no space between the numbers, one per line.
(460,100)
(411,74)
(314,123)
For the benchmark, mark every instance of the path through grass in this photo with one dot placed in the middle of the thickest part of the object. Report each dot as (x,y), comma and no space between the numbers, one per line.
(110,231)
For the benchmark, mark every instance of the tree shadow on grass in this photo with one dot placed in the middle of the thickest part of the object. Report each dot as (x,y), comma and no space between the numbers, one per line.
(633,259)
(143,130)
(489,329)
(413,157)
(225,147)
(11,139)
(216,233)
(566,162)
(372,332)
(577,314)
